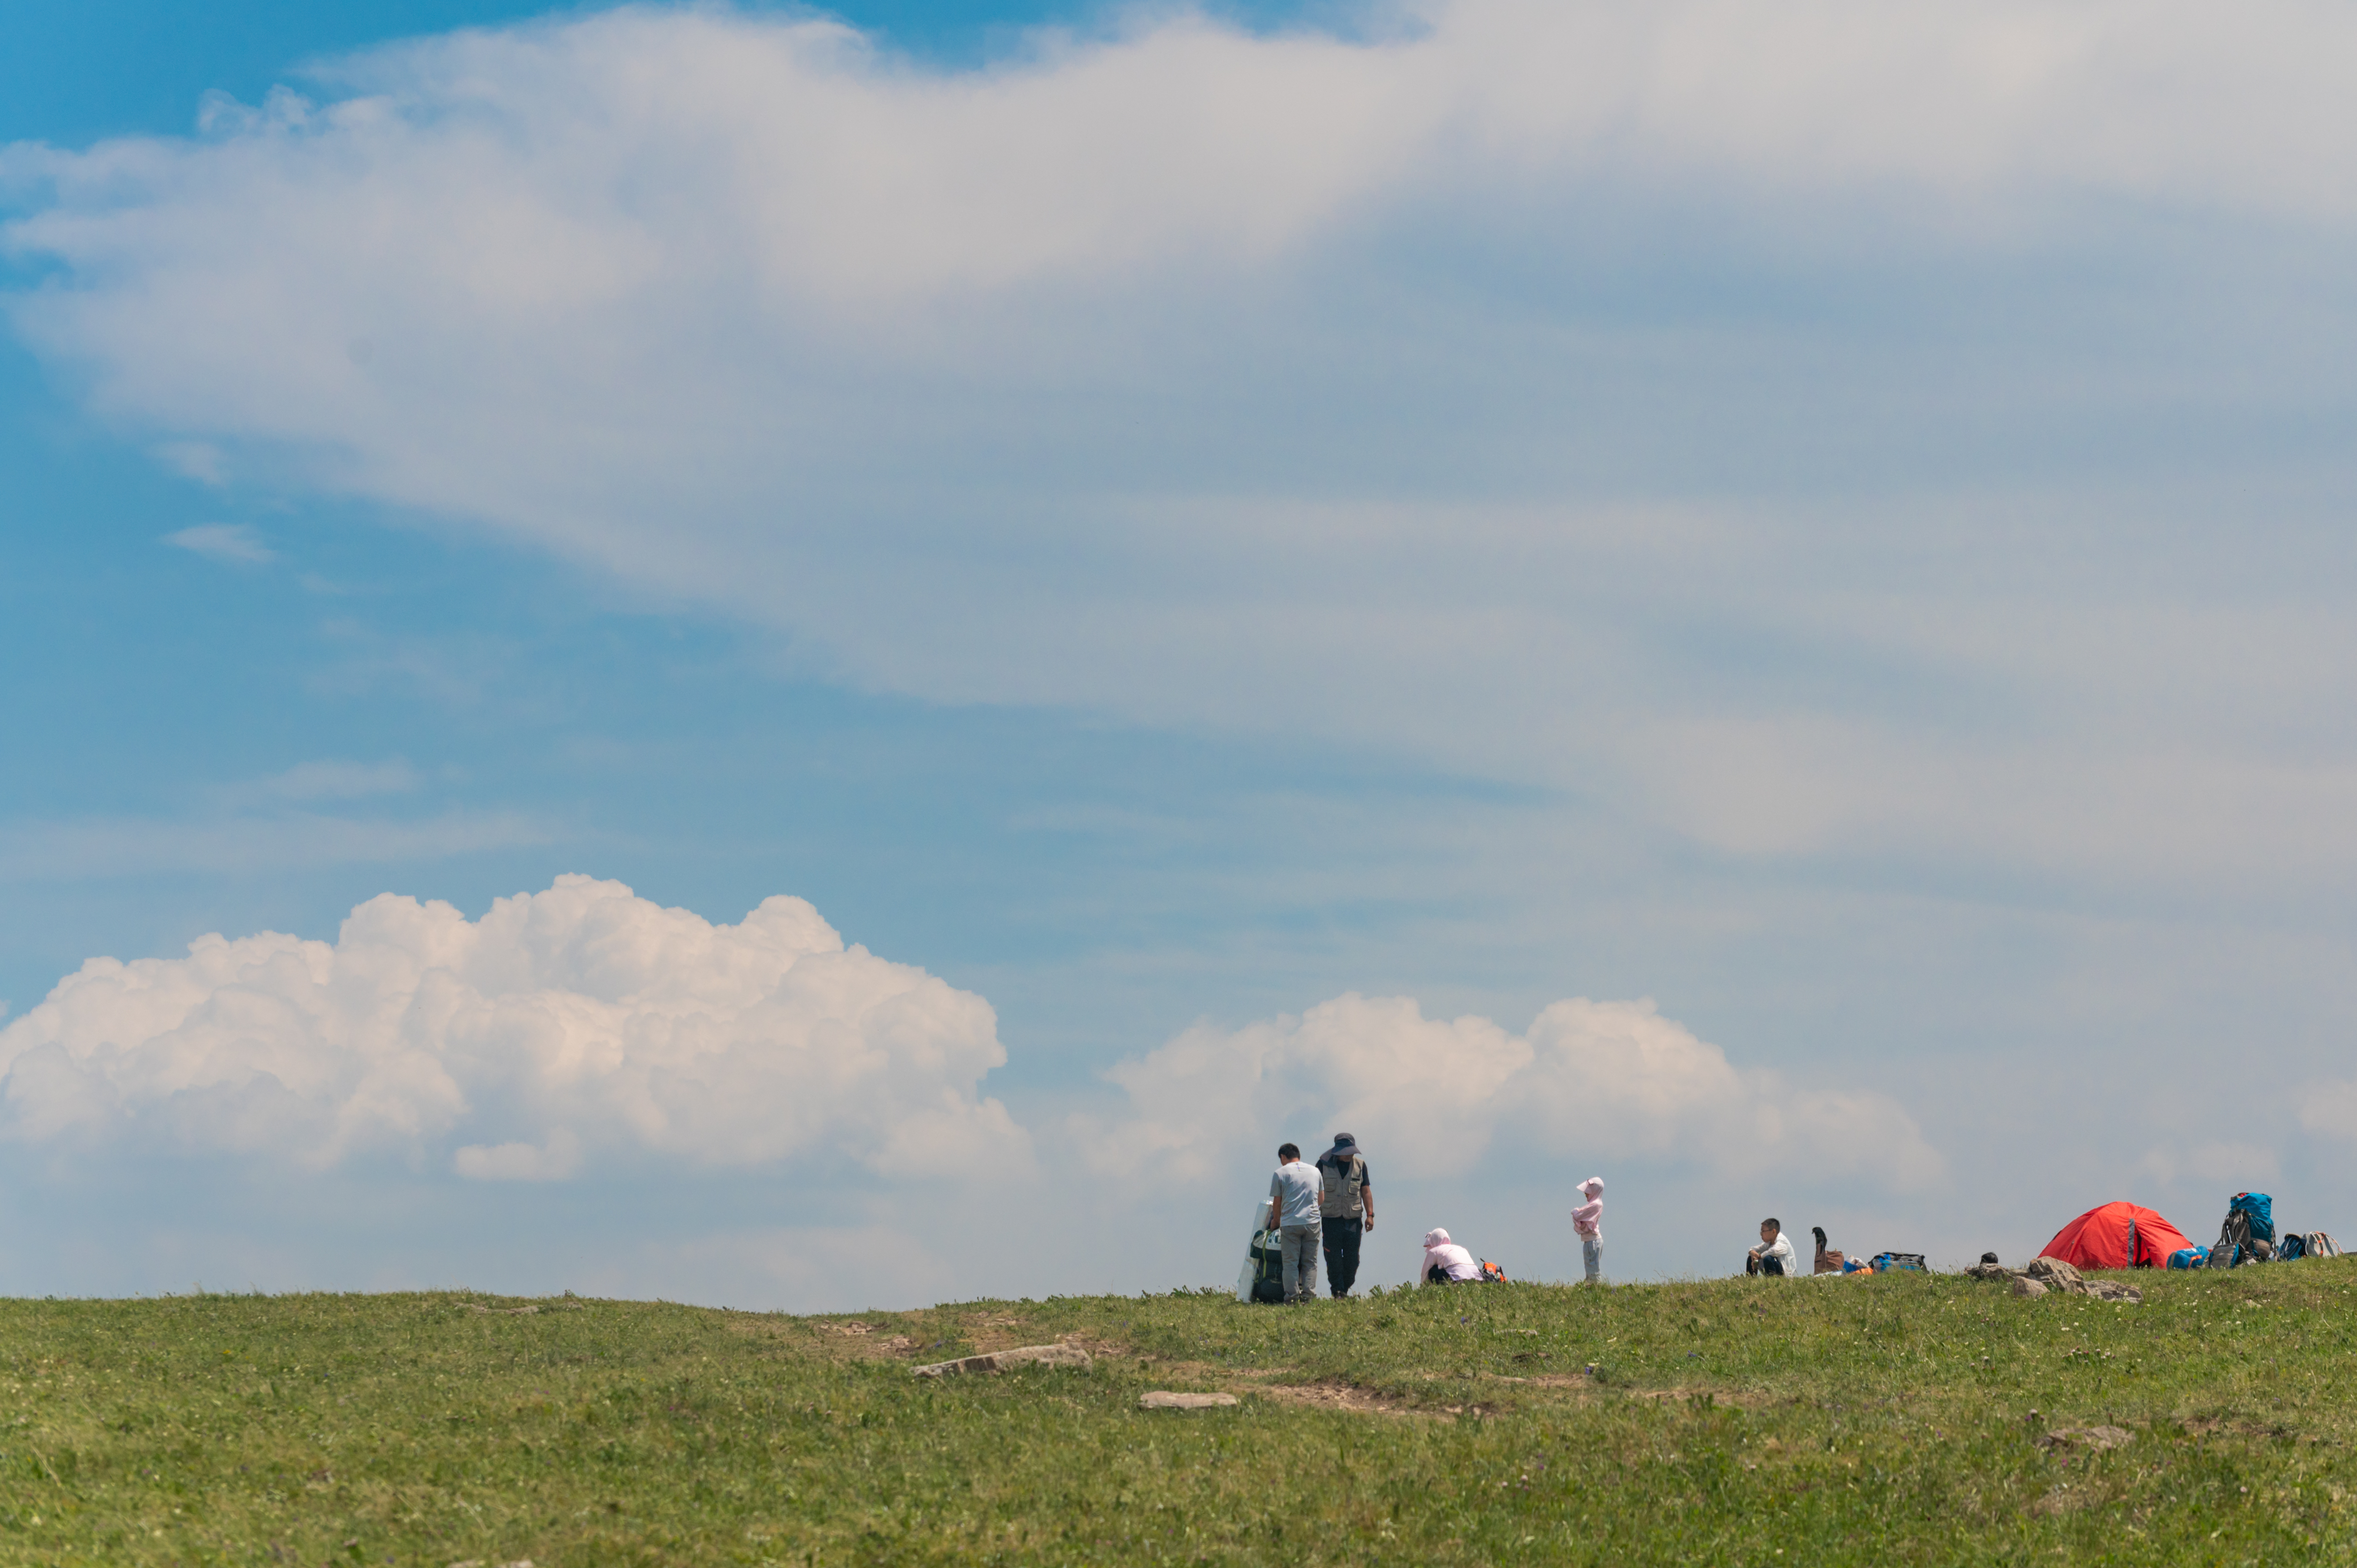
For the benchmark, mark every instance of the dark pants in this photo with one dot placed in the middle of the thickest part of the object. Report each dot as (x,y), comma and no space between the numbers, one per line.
(1752,1265)
(1341,1250)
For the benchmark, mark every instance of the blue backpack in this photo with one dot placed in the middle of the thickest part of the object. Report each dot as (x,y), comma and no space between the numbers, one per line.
(2188,1257)
(2260,1211)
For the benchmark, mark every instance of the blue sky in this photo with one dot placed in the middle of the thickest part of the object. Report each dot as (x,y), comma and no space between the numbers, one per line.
(1832,524)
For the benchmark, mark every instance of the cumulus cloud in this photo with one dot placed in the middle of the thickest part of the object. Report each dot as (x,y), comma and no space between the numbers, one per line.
(564,1028)
(583,1034)
(1586,1081)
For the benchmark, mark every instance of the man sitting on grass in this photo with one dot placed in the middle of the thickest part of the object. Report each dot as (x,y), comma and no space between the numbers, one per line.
(1774,1255)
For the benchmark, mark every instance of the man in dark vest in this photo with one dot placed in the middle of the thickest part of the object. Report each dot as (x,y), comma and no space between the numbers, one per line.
(1346,1202)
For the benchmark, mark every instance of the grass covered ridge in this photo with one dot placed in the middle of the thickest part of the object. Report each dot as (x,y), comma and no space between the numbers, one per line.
(1900,1419)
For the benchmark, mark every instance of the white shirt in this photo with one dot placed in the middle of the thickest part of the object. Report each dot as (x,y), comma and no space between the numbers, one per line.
(1782,1248)
(1297,1188)
(1453,1261)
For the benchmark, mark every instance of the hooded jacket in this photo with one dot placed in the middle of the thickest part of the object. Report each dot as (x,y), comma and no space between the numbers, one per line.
(1450,1258)
(1588,1217)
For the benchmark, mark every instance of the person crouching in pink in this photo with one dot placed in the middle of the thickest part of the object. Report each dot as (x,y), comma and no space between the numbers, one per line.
(1446,1263)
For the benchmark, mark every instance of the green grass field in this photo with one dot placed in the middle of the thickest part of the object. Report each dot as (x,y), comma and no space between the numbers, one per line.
(1894,1419)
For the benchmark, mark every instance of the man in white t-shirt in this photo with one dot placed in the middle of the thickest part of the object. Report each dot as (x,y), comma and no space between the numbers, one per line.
(1774,1255)
(1293,1213)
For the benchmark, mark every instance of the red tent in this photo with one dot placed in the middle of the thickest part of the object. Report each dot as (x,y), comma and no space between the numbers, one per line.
(2117,1235)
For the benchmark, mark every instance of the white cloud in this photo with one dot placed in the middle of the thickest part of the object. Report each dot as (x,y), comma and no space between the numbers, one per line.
(234,541)
(545,210)
(679,293)
(825,169)
(564,1028)
(1587,1082)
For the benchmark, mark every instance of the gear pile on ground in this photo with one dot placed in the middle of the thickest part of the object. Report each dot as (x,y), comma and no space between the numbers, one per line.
(2053,1275)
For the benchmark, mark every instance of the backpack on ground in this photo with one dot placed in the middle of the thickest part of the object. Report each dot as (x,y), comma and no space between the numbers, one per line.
(2233,1240)
(2260,1209)
(2188,1257)
(2292,1245)
(1268,1265)
(1912,1262)
(1492,1274)
(2308,1244)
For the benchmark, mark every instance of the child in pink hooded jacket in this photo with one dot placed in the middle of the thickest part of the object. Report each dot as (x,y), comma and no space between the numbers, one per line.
(1589,1220)
(1446,1263)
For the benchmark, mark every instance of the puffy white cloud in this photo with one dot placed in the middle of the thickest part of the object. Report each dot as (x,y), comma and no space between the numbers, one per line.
(1586,1081)
(579,1024)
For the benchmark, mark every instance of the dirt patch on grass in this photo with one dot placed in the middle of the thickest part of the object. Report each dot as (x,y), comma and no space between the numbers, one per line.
(853,1340)
(2275,1432)
(1173,1371)
(989,1333)
(1339,1395)
(867,1341)
(1101,1349)
(1745,1398)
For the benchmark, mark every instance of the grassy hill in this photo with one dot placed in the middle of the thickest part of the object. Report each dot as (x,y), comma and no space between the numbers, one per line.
(1895,1419)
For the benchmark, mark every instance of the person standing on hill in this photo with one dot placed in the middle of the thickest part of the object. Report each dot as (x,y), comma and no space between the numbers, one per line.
(1293,1213)
(1589,1220)
(1346,1207)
